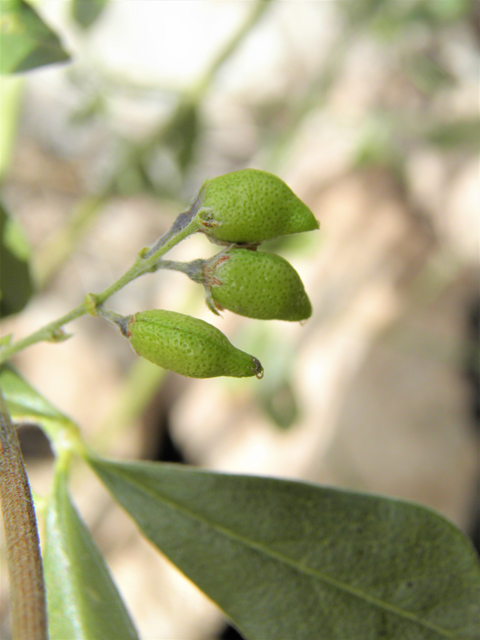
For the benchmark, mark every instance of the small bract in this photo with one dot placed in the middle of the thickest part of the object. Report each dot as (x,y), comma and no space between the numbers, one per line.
(250,206)
(188,346)
(256,285)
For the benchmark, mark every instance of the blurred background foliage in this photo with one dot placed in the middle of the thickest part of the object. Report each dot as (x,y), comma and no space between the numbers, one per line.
(369,109)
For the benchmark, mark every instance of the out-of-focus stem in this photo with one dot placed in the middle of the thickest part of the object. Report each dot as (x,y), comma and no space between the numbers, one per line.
(258,9)
(60,246)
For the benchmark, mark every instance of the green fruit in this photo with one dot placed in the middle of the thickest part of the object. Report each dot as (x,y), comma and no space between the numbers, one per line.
(250,206)
(256,284)
(188,346)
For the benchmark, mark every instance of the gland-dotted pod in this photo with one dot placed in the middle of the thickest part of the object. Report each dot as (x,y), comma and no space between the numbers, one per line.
(250,206)
(255,284)
(188,346)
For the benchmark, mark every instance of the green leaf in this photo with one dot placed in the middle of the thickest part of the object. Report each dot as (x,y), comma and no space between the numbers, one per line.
(83,602)
(16,285)
(287,560)
(27,42)
(24,403)
(86,12)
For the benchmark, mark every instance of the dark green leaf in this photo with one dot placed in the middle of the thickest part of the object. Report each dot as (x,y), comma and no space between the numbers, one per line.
(27,42)
(15,281)
(86,12)
(83,602)
(287,560)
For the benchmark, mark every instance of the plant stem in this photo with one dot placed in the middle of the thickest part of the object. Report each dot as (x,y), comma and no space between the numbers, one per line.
(50,332)
(27,591)
(193,269)
(145,263)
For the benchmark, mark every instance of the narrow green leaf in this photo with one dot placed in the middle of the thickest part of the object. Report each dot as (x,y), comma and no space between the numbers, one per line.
(26,41)
(83,602)
(291,560)
(16,285)
(86,12)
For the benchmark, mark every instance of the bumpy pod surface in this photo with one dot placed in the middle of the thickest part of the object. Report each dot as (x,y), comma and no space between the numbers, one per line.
(250,206)
(188,346)
(257,285)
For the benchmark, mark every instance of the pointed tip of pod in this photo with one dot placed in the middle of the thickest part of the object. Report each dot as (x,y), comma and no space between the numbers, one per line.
(257,369)
(303,311)
(301,217)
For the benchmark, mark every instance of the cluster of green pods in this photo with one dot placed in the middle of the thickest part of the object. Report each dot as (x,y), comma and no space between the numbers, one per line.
(240,210)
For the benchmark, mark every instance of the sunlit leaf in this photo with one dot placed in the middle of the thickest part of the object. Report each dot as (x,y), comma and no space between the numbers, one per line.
(291,560)
(15,280)
(86,12)
(26,41)
(10,92)
(24,403)
(83,602)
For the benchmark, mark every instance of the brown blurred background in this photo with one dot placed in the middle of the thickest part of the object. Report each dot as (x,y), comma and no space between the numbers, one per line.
(369,110)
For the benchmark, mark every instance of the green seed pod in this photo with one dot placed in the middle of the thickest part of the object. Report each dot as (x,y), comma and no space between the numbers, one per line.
(250,206)
(255,284)
(188,346)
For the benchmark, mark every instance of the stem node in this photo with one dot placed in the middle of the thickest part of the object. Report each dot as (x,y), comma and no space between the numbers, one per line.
(91,304)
